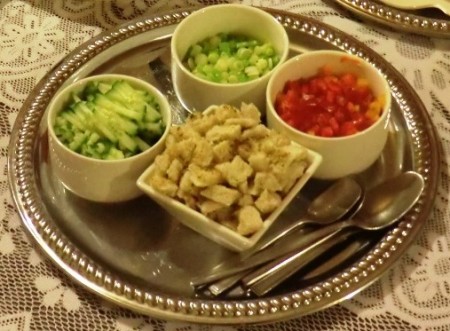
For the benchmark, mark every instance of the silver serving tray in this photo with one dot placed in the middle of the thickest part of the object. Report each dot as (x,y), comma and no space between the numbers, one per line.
(429,21)
(136,256)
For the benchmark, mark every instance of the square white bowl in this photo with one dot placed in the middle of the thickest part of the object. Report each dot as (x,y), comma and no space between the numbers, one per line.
(214,230)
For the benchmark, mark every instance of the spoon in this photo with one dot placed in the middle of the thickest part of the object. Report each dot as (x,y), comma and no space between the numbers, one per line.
(383,205)
(344,193)
(328,207)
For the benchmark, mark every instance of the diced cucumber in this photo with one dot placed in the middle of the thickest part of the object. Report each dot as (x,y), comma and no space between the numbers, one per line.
(126,142)
(110,120)
(142,144)
(104,87)
(151,114)
(104,101)
(116,121)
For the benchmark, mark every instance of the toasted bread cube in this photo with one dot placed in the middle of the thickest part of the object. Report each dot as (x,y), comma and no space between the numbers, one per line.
(225,217)
(162,162)
(290,163)
(267,202)
(246,148)
(223,151)
(259,161)
(182,150)
(265,181)
(243,122)
(203,154)
(221,194)
(201,123)
(175,170)
(208,206)
(245,200)
(249,220)
(236,171)
(249,110)
(243,187)
(163,185)
(188,198)
(292,174)
(224,112)
(186,182)
(203,177)
(257,132)
(223,132)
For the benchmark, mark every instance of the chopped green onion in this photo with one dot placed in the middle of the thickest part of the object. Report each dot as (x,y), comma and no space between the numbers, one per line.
(229,58)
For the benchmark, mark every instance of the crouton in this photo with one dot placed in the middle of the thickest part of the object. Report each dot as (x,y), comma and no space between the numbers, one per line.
(223,132)
(243,122)
(236,171)
(245,200)
(249,220)
(265,181)
(249,110)
(223,151)
(208,206)
(188,198)
(203,153)
(162,162)
(267,202)
(256,132)
(259,161)
(174,171)
(221,194)
(224,112)
(202,177)
(163,185)
(182,150)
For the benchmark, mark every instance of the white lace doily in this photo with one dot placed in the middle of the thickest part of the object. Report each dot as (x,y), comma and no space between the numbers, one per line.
(35,295)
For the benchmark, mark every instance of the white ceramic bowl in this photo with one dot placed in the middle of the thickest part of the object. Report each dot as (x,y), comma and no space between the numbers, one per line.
(196,93)
(101,180)
(346,155)
(213,230)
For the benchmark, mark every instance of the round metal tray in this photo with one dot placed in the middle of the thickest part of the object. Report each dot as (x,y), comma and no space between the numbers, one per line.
(427,21)
(135,255)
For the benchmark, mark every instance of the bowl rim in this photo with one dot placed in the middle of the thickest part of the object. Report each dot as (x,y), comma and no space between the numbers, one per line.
(381,120)
(164,104)
(283,34)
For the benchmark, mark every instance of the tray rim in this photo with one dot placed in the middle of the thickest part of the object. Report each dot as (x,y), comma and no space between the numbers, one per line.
(93,278)
(397,18)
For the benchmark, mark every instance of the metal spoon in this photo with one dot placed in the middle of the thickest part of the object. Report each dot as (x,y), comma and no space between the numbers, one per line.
(383,205)
(328,207)
(345,193)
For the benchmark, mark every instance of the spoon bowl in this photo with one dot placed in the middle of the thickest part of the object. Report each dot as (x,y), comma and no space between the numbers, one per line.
(388,202)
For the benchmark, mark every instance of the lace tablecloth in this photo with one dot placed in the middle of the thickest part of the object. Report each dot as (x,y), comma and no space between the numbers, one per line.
(35,295)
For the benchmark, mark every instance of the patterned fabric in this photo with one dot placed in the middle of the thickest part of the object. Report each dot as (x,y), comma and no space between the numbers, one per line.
(36,295)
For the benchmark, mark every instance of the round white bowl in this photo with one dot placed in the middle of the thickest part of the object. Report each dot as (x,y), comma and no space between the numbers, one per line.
(342,156)
(198,94)
(101,180)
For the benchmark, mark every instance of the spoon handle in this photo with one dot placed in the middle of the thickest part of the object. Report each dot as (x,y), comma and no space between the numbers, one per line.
(289,244)
(274,273)
(268,241)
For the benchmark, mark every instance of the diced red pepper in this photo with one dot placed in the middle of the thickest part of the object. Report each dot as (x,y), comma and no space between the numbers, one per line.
(328,105)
